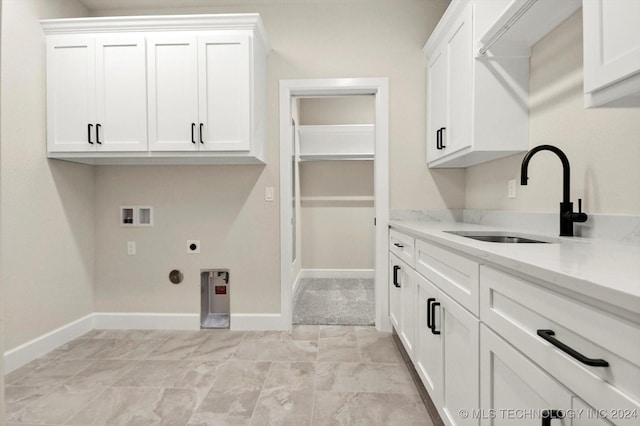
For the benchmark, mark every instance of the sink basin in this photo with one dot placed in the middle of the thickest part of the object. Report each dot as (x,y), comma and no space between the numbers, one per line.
(498,237)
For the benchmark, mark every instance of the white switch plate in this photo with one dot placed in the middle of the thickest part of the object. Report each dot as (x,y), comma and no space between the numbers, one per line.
(511,188)
(193,246)
(131,248)
(268,193)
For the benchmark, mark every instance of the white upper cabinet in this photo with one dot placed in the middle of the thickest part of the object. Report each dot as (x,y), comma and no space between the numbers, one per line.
(157,89)
(96,93)
(477,107)
(611,53)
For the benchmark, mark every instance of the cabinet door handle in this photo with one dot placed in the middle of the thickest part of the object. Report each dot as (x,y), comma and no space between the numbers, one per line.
(548,336)
(89,128)
(433,318)
(442,145)
(430,300)
(396,268)
(398,245)
(201,126)
(438,140)
(548,415)
(98,126)
(193,133)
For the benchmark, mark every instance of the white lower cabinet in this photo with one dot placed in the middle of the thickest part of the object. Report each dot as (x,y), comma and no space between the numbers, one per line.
(447,353)
(531,351)
(514,390)
(402,302)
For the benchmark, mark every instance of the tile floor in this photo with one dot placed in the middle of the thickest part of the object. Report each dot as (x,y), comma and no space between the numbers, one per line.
(312,375)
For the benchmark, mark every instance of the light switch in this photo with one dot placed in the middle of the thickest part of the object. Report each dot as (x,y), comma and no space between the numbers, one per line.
(131,248)
(268,193)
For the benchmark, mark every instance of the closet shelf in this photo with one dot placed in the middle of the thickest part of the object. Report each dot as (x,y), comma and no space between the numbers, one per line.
(337,142)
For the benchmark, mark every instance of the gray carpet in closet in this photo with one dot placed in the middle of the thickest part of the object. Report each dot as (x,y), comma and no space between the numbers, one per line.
(334,301)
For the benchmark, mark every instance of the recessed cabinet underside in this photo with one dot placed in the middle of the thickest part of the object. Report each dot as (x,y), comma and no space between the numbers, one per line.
(156,90)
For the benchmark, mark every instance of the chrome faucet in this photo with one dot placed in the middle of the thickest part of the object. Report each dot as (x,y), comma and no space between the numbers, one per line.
(567,215)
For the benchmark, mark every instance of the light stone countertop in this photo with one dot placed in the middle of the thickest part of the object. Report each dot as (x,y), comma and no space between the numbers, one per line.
(604,270)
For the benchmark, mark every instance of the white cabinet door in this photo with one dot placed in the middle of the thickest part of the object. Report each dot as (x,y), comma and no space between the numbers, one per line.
(173,93)
(449,90)
(408,295)
(71,100)
(459,43)
(460,360)
(395,295)
(510,381)
(437,103)
(428,358)
(96,93)
(121,93)
(611,41)
(225,92)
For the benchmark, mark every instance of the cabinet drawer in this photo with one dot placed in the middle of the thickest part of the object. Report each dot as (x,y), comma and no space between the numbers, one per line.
(402,246)
(452,273)
(517,309)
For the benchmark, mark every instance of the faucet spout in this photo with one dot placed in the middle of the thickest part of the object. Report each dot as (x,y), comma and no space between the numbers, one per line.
(566,169)
(567,215)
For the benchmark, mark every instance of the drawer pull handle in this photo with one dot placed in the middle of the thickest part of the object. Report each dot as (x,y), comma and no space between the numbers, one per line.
(396,268)
(548,415)
(548,336)
(433,317)
(89,128)
(430,300)
(398,245)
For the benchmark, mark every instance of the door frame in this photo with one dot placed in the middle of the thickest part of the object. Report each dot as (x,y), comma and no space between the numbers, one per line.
(379,87)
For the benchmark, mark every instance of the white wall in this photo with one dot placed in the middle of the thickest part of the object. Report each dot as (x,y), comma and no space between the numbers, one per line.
(2,409)
(47,206)
(603,145)
(223,206)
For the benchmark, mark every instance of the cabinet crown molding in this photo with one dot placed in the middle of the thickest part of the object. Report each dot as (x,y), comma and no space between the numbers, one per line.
(116,24)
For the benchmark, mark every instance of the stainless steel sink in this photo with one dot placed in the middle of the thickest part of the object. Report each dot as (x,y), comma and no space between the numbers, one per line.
(499,237)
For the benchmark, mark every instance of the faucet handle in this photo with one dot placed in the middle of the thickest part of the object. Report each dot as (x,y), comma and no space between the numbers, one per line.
(579,205)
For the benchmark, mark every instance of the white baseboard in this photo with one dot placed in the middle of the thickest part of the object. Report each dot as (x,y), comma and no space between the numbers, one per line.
(338,273)
(145,321)
(27,352)
(257,322)
(295,283)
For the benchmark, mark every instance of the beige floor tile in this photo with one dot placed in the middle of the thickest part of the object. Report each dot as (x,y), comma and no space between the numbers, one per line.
(16,398)
(129,349)
(217,346)
(375,346)
(338,349)
(283,407)
(54,373)
(369,409)
(56,406)
(179,347)
(275,350)
(139,406)
(170,374)
(81,349)
(346,332)
(305,332)
(360,377)
(294,376)
(101,373)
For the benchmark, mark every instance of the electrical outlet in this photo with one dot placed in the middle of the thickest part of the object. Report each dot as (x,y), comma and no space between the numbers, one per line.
(131,248)
(511,188)
(193,246)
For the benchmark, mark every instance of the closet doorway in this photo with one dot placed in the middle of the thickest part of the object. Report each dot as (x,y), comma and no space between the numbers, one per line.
(334,201)
(333,210)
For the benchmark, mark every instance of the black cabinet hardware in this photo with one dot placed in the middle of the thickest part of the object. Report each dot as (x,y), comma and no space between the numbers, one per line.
(548,415)
(548,336)
(398,245)
(396,268)
(89,127)
(438,139)
(442,145)
(433,318)
(430,300)
(98,126)
(201,126)
(193,133)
